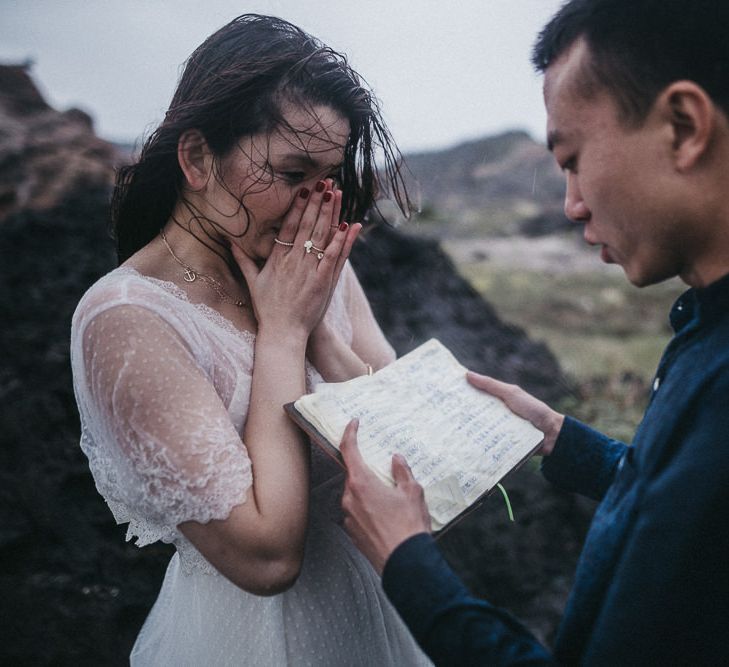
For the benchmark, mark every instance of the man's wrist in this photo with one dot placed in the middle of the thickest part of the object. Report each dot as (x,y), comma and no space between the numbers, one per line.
(404,545)
(551,433)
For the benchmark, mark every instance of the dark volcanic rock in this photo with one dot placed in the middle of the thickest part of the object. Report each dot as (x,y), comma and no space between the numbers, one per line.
(71,590)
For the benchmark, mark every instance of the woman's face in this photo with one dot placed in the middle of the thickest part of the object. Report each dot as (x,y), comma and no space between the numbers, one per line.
(266,171)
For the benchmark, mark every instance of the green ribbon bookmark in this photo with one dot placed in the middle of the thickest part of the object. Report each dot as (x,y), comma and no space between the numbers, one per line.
(506,500)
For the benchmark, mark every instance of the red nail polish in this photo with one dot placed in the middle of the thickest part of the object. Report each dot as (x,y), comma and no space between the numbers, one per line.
(327,196)
(304,193)
(320,186)
(343,226)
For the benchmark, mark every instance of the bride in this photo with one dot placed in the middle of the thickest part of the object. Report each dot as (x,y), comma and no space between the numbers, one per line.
(234,297)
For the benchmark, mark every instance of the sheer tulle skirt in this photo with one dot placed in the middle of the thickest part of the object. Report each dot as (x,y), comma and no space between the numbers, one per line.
(336,614)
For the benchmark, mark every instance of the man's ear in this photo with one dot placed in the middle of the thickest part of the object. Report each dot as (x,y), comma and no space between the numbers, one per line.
(195,159)
(692,115)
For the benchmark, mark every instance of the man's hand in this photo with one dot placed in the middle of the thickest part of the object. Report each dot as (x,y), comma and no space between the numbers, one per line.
(379,517)
(525,405)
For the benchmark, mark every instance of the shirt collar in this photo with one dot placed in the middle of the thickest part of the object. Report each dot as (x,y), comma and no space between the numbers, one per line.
(701,305)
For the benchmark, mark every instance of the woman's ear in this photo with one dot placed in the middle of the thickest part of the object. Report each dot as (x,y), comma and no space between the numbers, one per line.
(692,115)
(195,159)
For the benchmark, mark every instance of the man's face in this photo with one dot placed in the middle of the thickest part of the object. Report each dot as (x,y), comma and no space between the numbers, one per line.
(618,177)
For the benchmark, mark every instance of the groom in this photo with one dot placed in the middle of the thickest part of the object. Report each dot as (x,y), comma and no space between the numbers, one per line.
(637,98)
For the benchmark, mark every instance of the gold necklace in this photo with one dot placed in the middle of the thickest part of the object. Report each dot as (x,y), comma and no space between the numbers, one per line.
(191,275)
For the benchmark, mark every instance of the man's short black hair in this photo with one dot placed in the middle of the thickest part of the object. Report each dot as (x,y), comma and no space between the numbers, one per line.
(638,47)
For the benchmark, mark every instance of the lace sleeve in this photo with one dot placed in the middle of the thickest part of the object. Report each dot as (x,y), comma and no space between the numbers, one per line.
(160,442)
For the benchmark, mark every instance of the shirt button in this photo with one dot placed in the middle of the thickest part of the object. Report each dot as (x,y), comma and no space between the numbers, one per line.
(656,384)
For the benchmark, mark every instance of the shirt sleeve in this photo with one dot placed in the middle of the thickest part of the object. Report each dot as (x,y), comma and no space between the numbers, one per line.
(583,461)
(451,626)
(160,443)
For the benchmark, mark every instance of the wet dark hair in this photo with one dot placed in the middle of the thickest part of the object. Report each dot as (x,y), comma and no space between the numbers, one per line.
(638,47)
(234,85)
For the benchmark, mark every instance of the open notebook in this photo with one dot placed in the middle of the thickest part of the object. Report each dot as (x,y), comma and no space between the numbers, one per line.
(460,442)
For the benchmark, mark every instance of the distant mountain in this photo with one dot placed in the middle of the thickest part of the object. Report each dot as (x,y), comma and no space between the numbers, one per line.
(498,185)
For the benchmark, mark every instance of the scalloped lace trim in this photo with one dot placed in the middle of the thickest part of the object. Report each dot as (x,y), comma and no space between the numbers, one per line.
(144,532)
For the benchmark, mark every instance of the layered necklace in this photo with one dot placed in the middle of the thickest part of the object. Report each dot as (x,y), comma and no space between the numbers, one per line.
(191,275)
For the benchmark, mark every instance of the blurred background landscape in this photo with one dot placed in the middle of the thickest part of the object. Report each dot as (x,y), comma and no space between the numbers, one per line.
(490,266)
(495,207)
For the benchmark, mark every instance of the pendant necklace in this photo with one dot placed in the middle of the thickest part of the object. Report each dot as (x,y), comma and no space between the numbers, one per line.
(191,275)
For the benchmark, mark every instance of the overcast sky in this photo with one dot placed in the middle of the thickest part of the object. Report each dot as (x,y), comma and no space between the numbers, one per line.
(444,71)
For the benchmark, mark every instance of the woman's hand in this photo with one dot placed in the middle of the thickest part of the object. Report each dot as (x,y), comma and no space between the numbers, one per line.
(335,359)
(293,289)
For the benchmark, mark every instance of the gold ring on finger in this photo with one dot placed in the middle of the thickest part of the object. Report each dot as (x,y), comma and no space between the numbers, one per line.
(309,246)
(280,242)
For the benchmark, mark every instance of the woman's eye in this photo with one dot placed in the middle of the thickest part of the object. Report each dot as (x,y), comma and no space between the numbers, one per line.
(293,176)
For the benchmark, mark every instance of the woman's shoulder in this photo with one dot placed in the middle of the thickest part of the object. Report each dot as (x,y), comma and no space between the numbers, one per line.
(125,287)
(127,283)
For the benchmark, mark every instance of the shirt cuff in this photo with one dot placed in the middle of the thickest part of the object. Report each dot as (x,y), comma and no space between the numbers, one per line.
(419,582)
(583,460)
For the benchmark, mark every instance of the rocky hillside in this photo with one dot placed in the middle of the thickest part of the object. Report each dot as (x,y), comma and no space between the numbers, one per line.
(44,154)
(71,590)
(502,185)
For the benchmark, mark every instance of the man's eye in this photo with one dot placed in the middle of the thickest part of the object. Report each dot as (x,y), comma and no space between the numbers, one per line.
(569,165)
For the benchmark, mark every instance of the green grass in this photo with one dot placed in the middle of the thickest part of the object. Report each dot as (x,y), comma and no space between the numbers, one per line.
(607,335)
(492,221)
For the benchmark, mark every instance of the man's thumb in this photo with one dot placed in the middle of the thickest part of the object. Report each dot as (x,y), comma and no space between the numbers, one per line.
(488,384)
(348,445)
(401,470)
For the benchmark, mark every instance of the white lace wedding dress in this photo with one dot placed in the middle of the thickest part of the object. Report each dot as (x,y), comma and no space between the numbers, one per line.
(163,387)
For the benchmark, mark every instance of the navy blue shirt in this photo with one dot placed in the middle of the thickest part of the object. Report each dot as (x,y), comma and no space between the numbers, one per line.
(652,584)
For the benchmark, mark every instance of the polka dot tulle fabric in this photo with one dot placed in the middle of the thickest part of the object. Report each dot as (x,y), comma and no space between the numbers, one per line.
(163,387)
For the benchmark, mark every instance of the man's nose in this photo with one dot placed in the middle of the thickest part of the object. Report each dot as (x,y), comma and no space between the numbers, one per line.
(574,206)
